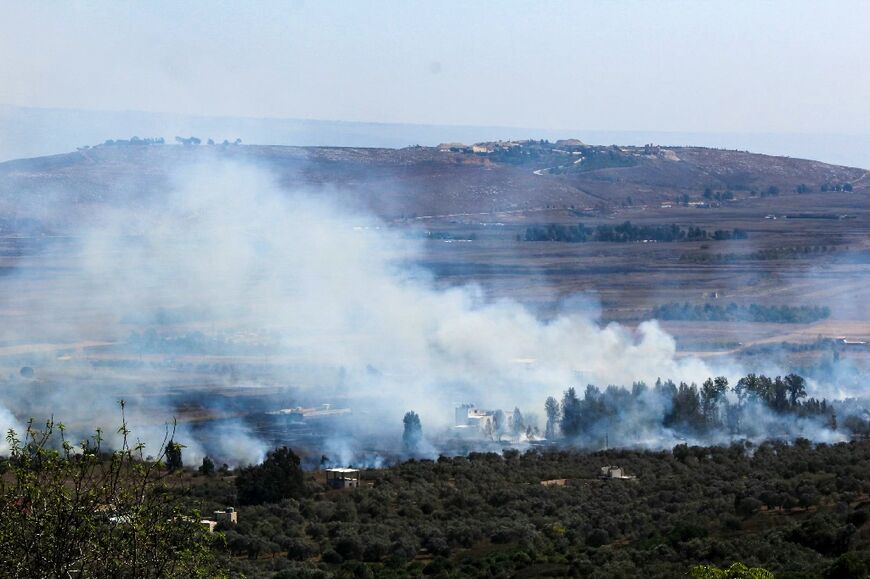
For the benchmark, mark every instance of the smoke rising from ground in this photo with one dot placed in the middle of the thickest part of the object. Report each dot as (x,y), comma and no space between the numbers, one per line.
(228,252)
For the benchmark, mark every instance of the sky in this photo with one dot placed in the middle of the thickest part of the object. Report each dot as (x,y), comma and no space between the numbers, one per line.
(732,66)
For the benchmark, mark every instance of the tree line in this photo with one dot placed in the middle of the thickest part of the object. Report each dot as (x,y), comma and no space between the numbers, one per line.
(627,233)
(782,314)
(758,405)
(135,141)
(772,253)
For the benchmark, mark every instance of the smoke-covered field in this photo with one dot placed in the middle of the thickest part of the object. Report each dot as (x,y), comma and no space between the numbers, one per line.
(229,296)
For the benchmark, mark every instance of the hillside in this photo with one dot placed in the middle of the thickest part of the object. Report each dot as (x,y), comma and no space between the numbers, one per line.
(422,181)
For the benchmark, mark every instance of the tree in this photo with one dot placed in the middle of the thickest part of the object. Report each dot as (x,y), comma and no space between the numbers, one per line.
(570,423)
(850,565)
(499,423)
(686,408)
(413,433)
(207,467)
(82,511)
(173,455)
(765,390)
(551,406)
(747,387)
(279,477)
(746,506)
(712,391)
(797,388)
(517,424)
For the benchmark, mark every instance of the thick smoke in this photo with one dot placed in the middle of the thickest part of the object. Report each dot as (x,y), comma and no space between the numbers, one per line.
(325,294)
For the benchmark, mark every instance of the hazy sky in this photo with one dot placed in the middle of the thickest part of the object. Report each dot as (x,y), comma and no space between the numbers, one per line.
(679,66)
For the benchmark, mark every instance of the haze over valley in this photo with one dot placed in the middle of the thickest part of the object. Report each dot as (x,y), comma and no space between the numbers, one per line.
(218,282)
(406,289)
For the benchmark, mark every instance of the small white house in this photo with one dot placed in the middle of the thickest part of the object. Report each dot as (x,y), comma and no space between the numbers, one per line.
(343,478)
(614,472)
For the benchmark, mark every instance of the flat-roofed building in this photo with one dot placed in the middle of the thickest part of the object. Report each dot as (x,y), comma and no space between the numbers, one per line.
(343,478)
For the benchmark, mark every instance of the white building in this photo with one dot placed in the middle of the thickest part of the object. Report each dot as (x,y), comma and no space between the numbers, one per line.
(343,478)
(228,515)
(472,422)
(614,472)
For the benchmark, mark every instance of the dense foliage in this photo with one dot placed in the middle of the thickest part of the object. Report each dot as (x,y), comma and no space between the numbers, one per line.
(796,509)
(75,510)
(757,407)
(278,477)
(627,233)
(734,313)
(448,236)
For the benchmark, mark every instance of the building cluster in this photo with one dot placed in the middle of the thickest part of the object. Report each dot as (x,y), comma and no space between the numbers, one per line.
(473,422)
(480,148)
(489,147)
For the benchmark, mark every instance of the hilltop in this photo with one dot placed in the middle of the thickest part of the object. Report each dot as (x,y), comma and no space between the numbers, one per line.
(521,177)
